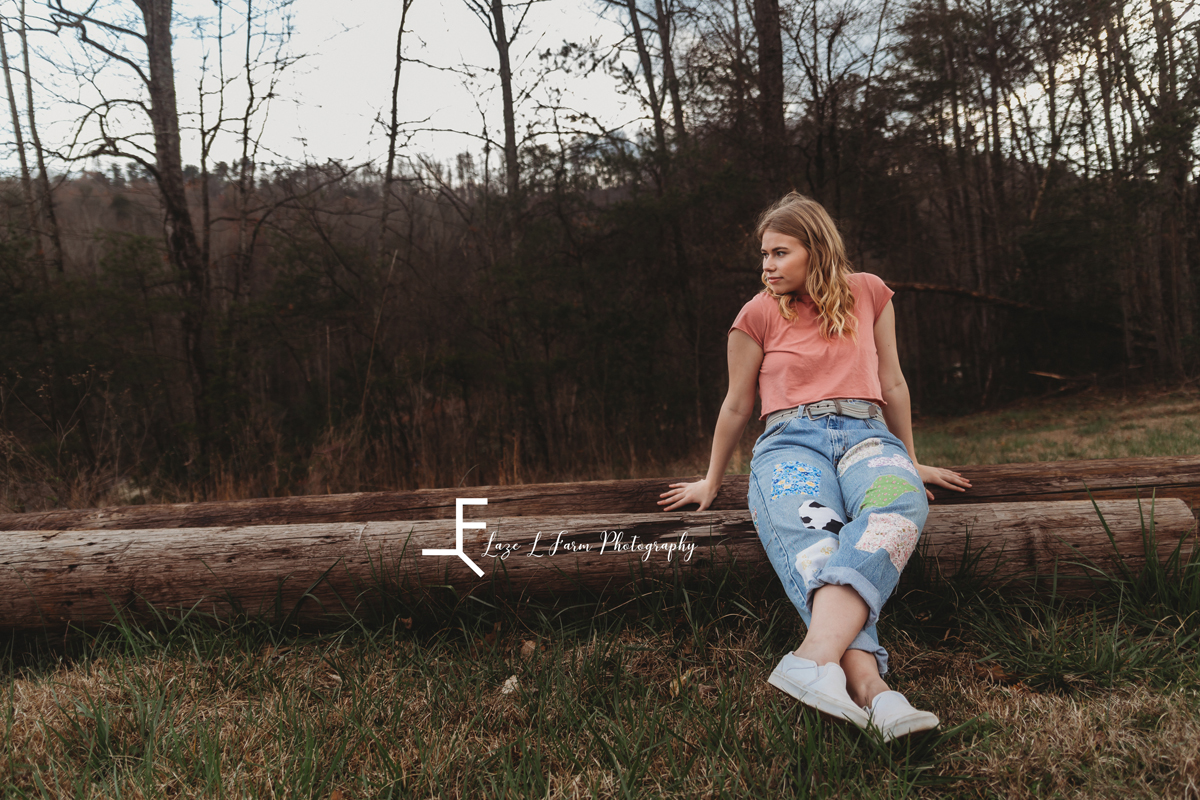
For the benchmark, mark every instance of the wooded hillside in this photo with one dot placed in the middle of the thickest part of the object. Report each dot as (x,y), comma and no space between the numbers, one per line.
(554,307)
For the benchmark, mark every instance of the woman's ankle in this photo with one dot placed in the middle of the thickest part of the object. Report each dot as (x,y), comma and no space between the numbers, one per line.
(864,692)
(863,681)
(816,652)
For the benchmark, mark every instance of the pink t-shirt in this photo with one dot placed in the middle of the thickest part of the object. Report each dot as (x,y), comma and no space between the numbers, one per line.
(799,366)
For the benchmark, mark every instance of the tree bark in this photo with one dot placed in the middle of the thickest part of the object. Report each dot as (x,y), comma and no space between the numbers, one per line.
(314,572)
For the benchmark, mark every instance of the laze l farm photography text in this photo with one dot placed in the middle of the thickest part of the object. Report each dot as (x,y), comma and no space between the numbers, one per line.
(610,542)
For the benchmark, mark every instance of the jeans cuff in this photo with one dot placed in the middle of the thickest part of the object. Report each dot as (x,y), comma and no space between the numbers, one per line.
(869,645)
(844,576)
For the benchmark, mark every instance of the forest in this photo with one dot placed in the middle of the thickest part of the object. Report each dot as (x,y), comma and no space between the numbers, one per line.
(553,304)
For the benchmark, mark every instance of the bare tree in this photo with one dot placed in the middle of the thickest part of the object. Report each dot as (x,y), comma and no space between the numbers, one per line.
(832,45)
(665,12)
(770,93)
(18,135)
(393,131)
(148,54)
(492,15)
(45,195)
(1174,115)
(654,100)
(266,58)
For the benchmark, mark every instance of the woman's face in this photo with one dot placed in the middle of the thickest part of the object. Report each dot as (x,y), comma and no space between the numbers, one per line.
(784,263)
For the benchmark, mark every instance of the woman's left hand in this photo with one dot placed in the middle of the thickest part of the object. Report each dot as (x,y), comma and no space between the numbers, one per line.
(946,478)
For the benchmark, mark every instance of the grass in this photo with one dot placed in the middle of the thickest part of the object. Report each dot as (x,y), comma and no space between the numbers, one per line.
(1091,424)
(662,694)
(1083,426)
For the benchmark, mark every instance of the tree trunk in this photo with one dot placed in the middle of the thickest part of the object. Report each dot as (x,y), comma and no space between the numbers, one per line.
(246,176)
(1106,68)
(314,572)
(665,182)
(46,197)
(665,18)
(512,166)
(182,243)
(770,94)
(660,134)
(1174,168)
(19,137)
(393,131)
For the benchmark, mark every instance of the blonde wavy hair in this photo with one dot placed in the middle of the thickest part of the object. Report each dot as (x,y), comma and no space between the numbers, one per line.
(829,269)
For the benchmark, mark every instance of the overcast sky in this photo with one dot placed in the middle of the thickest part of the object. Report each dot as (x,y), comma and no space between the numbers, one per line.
(329,101)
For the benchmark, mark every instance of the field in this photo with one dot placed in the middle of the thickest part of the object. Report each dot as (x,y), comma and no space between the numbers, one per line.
(658,695)
(1084,426)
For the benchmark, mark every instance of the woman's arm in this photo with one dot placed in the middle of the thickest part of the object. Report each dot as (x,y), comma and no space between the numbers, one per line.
(745,359)
(898,409)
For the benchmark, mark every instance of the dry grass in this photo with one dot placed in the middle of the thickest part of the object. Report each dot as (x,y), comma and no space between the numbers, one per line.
(661,695)
(1084,426)
(1126,743)
(1092,424)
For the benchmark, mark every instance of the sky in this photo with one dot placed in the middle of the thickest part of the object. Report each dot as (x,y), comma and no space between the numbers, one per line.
(349,81)
(327,103)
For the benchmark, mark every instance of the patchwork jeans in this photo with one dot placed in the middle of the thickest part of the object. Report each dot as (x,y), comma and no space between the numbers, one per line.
(836,500)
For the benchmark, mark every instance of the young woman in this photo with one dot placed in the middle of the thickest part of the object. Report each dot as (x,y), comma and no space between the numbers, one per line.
(836,491)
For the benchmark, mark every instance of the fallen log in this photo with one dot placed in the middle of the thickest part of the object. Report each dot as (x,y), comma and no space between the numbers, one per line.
(315,571)
(1125,478)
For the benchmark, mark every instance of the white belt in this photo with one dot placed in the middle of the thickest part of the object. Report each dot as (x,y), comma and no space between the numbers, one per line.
(859,409)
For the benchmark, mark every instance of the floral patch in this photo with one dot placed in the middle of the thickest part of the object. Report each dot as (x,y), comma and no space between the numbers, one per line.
(795,477)
(891,532)
(893,461)
(885,490)
(864,449)
(815,556)
(754,519)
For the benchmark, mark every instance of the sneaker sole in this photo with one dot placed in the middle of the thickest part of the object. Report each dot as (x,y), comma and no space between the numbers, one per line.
(914,723)
(821,702)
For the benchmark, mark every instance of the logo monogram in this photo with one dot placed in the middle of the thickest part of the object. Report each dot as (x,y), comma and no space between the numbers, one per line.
(459,525)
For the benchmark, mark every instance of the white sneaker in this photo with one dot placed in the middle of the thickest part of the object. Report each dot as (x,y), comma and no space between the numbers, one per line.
(893,716)
(823,688)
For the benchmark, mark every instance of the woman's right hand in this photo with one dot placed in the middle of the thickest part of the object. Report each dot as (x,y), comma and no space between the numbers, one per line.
(681,494)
